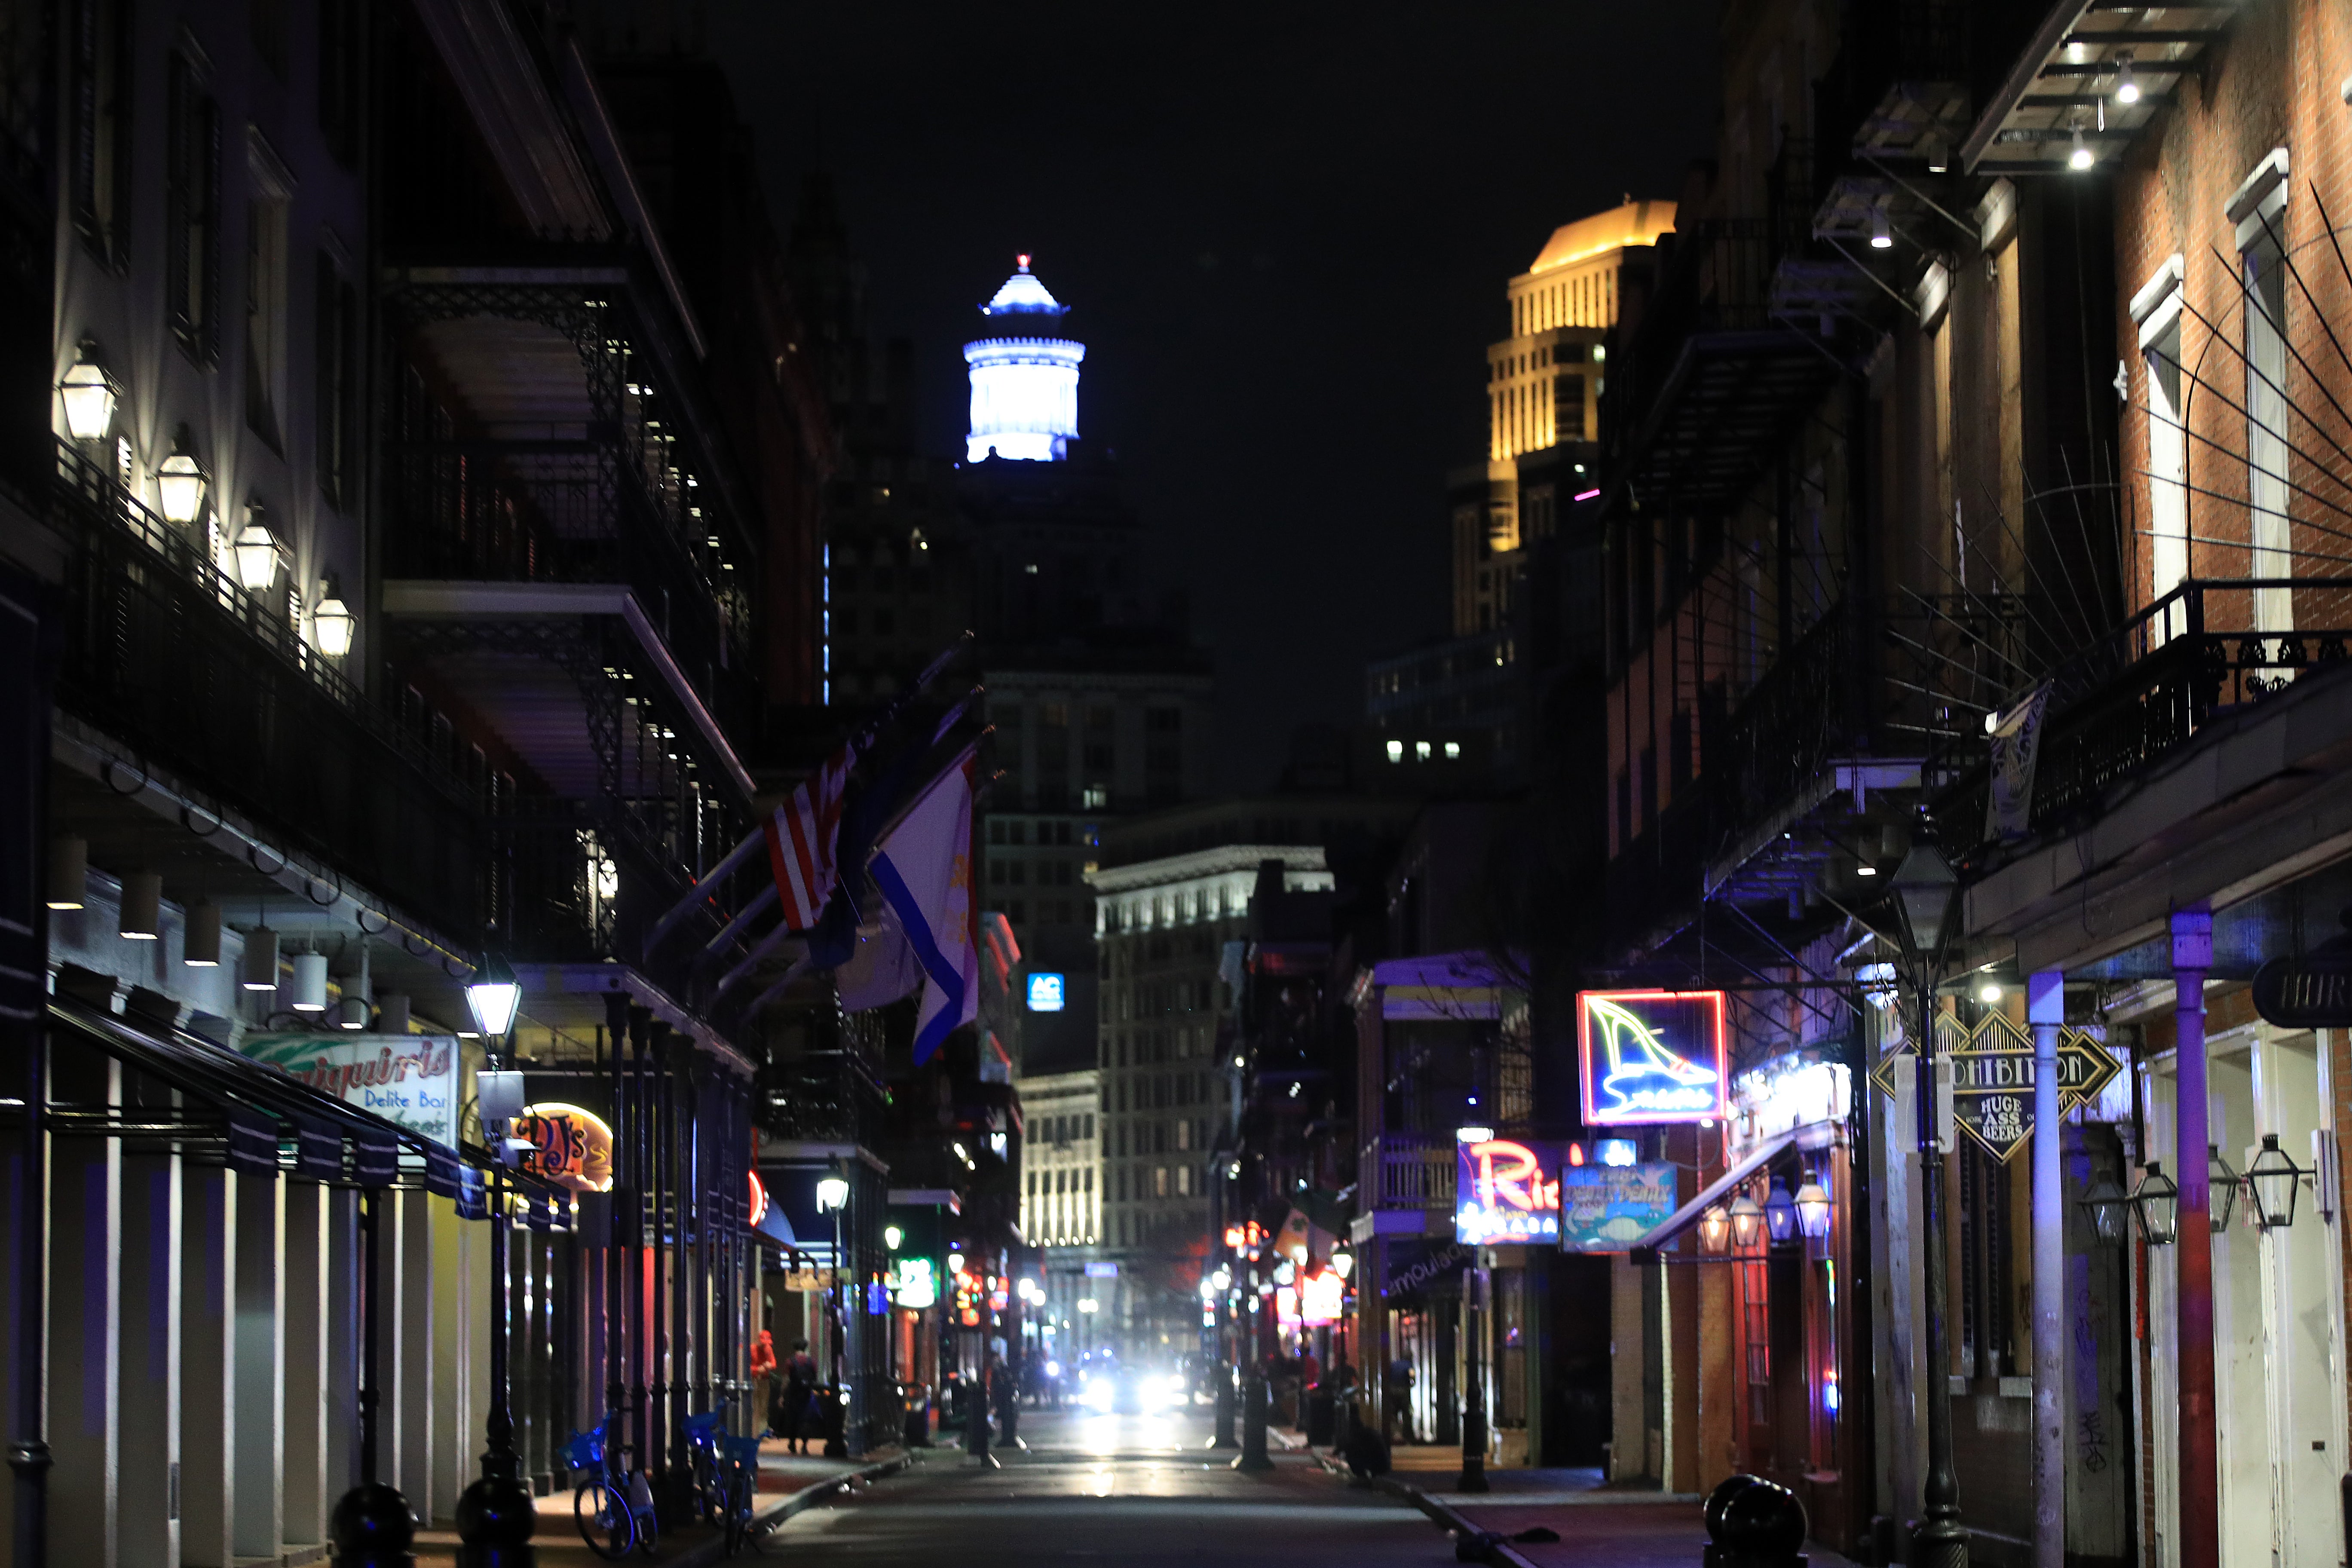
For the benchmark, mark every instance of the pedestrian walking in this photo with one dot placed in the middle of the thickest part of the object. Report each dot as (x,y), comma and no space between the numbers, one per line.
(764,1377)
(800,1394)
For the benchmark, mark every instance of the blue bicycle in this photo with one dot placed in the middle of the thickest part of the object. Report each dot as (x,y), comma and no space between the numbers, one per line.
(614,1507)
(726,1475)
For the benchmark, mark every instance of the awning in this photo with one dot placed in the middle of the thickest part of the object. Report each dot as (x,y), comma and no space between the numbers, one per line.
(1687,1216)
(264,1114)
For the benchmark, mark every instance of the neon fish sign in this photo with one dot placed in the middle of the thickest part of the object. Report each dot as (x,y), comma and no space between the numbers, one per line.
(1504,1193)
(1647,1056)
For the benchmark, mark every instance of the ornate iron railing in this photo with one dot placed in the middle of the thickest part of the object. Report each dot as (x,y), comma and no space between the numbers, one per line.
(165,652)
(2131,698)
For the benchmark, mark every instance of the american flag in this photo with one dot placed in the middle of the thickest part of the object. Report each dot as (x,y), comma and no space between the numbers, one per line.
(802,834)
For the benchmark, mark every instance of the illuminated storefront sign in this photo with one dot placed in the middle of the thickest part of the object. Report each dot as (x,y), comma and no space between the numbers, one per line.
(1321,1297)
(1503,1193)
(410,1080)
(571,1147)
(1607,1208)
(1650,1056)
(1046,993)
(914,1284)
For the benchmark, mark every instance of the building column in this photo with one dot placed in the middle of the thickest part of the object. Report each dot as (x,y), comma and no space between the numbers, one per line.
(85,1326)
(149,1389)
(259,1387)
(2201,1526)
(208,1238)
(445,1306)
(2045,1010)
(343,1345)
(310,1494)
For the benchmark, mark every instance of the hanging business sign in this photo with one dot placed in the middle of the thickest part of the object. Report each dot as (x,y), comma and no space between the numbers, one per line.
(2313,992)
(1418,1265)
(1993,1078)
(410,1080)
(1650,1056)
(571,1147)
(1322,1297)
(1607,1208)
(1506,1191)
(914,1282)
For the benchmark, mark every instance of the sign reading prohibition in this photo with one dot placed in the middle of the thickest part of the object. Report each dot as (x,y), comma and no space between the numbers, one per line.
(1648,1057)
(1993,1078)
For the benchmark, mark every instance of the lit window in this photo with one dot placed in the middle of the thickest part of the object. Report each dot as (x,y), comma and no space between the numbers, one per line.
(1453,751)
(1421,751)
(1396,750)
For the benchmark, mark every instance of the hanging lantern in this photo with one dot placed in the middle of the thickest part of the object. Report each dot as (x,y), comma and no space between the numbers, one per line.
(1747,1223)
(1779,1212)
(1715,1231)
(1813,1209)
(88,393)
(257,553)
(2105,1201)
(180,482)
(2223,1196)
(2272,1181)
(330,627)
(2157,1204)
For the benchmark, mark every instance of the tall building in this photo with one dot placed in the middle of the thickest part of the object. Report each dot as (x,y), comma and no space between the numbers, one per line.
(1543,395)
(1165,925)
(1100,703)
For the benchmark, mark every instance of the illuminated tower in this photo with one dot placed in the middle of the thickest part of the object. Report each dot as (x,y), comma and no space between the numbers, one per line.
(1024,383)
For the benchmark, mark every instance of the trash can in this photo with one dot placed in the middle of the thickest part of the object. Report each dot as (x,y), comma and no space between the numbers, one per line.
(1322,1415)
(918,1415)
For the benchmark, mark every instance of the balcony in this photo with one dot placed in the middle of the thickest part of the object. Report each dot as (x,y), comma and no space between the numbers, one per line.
(2145,690)
(1400,1170)
(164,651)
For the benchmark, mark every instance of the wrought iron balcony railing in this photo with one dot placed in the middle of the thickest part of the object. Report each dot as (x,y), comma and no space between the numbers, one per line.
(2208,650)
(164,651)
(1403,1171)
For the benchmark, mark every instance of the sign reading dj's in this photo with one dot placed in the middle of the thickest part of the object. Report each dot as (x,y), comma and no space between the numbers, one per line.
(1648,1057)
(1505,1191)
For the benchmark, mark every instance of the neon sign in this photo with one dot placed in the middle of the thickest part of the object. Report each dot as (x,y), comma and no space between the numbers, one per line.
(570,1146)
(1503,1194)
(1046,993)
(1651,1056)
(1322,1296)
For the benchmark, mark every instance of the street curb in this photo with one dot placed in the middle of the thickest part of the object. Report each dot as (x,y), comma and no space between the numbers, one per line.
(800,1502)
(1439,1513)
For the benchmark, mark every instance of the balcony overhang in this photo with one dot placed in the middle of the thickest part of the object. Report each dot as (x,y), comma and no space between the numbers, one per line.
(570,998)
(1730,402)
(2065,79)
(1769,858)
(533,704)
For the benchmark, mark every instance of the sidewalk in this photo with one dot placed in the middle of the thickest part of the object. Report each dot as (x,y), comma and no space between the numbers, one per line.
(788,1484)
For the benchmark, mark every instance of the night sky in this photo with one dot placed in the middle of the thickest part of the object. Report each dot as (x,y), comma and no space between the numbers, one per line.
(1284,233)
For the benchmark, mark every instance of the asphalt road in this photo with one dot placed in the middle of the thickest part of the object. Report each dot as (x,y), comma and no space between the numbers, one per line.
(1140,1489)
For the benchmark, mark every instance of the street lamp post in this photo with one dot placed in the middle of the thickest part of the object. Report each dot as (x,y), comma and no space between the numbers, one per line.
(1925,890)
(1474,1396)
(1254,1455)
(497,1514)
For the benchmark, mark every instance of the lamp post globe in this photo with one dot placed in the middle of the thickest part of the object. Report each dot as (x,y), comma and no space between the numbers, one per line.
(498,1513)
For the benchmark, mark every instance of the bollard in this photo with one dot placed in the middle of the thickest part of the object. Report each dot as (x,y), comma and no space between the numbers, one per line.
(1754,1523)
(1254,1455)
(975,1435)
(1224,1437)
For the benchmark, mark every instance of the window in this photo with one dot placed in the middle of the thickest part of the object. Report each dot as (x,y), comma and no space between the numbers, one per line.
(1158,1181)
(2156,309)
(191,215)
(337,349)
(101,126)
(2259,210)
(270,193)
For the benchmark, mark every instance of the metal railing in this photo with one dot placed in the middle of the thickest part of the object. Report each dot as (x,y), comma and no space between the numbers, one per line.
(2201,653)
(166,653)
(1403,1171)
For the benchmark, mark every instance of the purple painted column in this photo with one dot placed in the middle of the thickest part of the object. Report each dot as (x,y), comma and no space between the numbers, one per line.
(2192,958)
(2045,1009)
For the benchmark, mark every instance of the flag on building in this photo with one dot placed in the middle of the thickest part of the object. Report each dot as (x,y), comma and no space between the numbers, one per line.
(923,869)
(801,835)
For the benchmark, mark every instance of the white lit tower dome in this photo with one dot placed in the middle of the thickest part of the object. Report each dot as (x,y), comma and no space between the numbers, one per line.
(1024,383)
